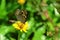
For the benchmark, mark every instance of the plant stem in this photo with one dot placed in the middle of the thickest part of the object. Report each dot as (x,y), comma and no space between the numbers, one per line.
(22,7)
(18,35)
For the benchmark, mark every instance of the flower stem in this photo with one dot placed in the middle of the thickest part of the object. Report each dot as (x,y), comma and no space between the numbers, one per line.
(19,35)
(22,7)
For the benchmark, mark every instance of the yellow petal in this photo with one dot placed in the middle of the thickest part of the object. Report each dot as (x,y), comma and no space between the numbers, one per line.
(21,26)
(25,27)
(16,26)
(21,1)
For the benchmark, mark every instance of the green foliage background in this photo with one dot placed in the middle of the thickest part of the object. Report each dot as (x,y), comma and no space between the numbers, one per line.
(43,18)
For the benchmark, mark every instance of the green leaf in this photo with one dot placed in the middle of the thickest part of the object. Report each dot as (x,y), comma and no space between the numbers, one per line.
(3,14)
(55,19)
(5,29)
(10,8)
(56,12)
(3,3)
(29,6)
(50,26)
(2,37)
(50,10)
(43,16)
(39,34)
(58,24)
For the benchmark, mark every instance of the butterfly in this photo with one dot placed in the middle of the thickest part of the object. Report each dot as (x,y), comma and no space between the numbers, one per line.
(21,23)
(21,15)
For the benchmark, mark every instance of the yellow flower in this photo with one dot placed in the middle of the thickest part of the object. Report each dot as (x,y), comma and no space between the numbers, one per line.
(21,2)
(21,26)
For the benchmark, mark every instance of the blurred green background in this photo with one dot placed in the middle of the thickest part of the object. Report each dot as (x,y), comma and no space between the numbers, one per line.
(43,17)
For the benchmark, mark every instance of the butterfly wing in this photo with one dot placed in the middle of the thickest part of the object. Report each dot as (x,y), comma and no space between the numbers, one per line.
(21,15)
